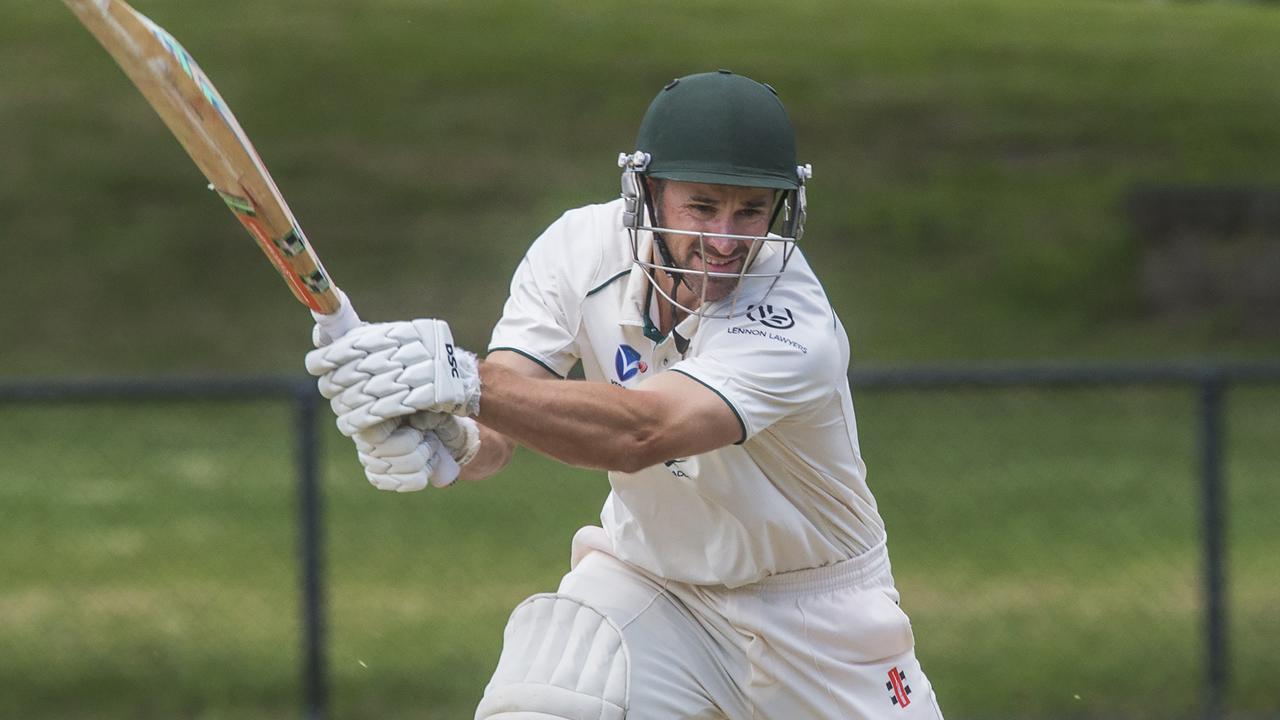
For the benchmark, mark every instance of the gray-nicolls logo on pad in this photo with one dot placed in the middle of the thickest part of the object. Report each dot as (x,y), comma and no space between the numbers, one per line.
(899,690)
(774,316)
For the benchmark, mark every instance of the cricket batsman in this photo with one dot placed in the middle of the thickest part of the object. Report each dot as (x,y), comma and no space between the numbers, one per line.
(740,569)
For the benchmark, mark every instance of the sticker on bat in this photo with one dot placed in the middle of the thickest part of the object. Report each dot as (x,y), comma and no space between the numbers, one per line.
(291,244)
(316,282)
(188,64)
(238,205)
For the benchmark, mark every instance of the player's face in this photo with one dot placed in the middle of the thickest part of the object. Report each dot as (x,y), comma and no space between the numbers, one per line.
(720,209)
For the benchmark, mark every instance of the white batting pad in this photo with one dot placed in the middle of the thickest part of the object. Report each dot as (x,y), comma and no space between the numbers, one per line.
(561,660)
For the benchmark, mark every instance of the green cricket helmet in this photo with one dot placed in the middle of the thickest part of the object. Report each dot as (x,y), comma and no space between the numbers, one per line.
(715,128)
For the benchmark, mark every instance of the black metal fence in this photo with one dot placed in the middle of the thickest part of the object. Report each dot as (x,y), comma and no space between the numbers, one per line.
(302,395)
(1211,382)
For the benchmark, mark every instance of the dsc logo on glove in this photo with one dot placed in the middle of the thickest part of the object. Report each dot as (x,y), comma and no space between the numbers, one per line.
(453,363)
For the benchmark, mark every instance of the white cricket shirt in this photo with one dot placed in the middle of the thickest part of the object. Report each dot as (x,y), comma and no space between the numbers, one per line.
(792,494)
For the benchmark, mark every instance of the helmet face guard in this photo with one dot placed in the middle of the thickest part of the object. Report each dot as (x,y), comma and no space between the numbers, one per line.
(715,128)
(765,261)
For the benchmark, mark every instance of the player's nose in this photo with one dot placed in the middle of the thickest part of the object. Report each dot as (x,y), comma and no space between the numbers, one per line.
(720,245)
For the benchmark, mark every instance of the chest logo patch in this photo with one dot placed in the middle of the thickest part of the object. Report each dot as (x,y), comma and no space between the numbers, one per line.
(774,316)
(627,363)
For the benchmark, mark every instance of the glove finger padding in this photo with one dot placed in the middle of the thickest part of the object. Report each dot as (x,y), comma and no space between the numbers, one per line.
(403,440)
(405,459)
(375,434)
(388,370)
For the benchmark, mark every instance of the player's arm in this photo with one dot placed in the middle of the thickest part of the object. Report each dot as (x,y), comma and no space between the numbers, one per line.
(387,370)
(602,426)
(496,448)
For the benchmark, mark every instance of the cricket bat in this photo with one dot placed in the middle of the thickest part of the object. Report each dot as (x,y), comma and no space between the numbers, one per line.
(196,114)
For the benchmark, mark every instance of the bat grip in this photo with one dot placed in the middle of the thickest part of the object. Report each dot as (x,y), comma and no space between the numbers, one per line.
(340,321)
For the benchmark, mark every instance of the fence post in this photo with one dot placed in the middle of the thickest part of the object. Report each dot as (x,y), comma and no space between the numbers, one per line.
(314,685)
(1212,389)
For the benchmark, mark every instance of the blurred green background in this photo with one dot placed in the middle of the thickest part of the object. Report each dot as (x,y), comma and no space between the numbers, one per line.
(972,165)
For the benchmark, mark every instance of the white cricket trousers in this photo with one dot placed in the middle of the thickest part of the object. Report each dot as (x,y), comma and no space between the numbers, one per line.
(816,644)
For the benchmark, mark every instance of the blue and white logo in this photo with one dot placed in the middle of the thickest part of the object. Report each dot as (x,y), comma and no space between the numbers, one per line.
(627,363)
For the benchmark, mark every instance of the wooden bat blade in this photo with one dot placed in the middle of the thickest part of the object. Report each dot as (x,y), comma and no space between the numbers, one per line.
(195,113)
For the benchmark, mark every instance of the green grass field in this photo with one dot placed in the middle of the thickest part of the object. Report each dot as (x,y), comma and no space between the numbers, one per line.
(1046,545)
(972,160)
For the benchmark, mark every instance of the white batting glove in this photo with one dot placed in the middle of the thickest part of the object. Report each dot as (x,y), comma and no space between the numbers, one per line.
(405,454)
(459,435)
(381,371)
(399,457)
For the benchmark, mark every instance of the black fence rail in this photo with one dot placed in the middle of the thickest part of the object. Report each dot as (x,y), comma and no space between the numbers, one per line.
(1210,381)
(302,395)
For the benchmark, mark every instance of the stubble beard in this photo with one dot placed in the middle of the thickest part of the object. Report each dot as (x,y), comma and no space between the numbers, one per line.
(688,287)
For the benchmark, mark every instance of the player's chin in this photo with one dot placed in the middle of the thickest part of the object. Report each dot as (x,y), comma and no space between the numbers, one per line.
(718,289)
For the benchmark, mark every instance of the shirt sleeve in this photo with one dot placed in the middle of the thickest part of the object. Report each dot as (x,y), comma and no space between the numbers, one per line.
(541,316)
(767,373)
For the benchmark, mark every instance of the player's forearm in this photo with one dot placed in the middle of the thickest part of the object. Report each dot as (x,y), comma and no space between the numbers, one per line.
(585,424)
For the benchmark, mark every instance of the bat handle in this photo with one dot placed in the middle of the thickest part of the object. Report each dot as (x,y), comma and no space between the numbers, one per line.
(340,321)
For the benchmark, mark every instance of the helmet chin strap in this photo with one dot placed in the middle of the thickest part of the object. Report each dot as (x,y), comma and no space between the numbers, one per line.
(678,279)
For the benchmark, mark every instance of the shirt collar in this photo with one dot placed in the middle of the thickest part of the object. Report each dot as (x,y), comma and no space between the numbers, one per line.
(634,299)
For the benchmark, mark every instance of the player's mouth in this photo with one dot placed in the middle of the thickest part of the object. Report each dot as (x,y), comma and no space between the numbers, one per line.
(717,264)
